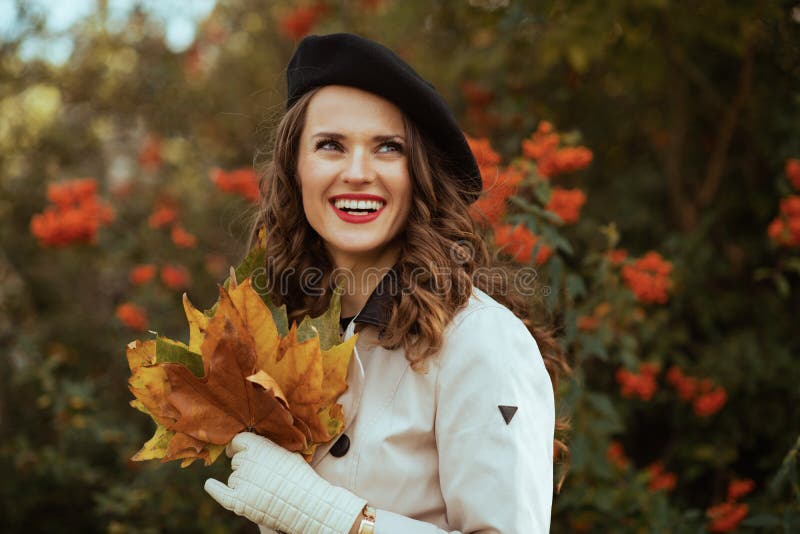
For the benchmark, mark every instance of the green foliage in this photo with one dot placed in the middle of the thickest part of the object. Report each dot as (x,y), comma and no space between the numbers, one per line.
(690,112)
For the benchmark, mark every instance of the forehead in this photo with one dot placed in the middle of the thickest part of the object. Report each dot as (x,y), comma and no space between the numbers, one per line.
(341,107)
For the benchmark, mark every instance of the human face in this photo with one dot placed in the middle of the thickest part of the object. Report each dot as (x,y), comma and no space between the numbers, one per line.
(353,147)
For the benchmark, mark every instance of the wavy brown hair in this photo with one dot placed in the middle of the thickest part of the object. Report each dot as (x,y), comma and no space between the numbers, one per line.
(442,248)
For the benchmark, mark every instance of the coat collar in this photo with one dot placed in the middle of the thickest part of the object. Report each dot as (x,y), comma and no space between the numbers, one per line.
(378,309)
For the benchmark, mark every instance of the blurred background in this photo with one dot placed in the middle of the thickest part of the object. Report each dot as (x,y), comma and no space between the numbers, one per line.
(646,157)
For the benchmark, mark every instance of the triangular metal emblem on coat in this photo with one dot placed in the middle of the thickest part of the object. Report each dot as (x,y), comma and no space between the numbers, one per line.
(507,412)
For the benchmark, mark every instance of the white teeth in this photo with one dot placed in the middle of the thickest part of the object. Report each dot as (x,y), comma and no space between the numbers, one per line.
(358,204)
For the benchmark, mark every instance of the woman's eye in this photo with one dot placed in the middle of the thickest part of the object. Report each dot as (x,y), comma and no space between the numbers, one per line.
(327,144)
(391,147)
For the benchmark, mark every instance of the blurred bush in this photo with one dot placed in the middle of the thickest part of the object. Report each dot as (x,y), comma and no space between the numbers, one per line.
(644,157)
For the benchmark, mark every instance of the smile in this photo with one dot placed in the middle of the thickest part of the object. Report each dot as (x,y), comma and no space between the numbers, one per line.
(357,211)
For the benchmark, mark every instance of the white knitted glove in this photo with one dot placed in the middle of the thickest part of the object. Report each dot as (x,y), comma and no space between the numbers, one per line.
(279,490)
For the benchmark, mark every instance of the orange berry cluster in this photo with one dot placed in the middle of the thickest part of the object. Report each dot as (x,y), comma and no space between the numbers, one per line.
(479,115)
(785,228)
(617,256)
(181,238)
(491,206)
(132,316)
(141,274)
(175,276)
(543,147)
(75,215)
(588,323)
(642,385)
(162,216)
(706,398)
(566,203)
(649,278)
(519,242)
(793,172)
(239,181)
(172,275)
(166,214)
(296,23)
(726,516)
(498,183)
(615,455)
(659,478)
(150,153)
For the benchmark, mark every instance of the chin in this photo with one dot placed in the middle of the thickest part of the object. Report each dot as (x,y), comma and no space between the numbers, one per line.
(356,248)
(351,248)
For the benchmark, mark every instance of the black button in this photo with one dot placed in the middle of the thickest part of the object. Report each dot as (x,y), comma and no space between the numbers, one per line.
(341,446)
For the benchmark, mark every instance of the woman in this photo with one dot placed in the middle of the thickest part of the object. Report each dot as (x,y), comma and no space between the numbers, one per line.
(449,412)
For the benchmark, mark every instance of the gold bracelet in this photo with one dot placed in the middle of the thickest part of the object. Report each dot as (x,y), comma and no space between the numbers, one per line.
(367,525)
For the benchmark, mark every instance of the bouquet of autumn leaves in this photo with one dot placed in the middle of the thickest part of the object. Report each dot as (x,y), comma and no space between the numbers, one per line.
(244,369)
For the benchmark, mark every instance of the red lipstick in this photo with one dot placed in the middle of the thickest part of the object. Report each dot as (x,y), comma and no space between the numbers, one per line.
(359,196)
(357,219)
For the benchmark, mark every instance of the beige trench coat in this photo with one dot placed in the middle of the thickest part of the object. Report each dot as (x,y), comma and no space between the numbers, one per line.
(433,453)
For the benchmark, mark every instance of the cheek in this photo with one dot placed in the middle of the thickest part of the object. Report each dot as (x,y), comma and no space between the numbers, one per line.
(407,192)
(307,197)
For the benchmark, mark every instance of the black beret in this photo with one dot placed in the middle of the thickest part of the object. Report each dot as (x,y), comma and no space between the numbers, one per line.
(347,59)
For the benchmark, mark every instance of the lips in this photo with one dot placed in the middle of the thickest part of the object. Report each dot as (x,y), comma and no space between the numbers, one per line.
(357,219)
(358,196)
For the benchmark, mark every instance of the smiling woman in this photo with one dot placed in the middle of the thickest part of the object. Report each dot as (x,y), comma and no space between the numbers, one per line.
(451,386)
(353,173)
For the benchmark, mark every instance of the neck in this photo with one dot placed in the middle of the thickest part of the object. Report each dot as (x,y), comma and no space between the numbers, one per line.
(359,276)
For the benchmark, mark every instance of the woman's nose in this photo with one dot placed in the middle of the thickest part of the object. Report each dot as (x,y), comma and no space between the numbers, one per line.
(359,167)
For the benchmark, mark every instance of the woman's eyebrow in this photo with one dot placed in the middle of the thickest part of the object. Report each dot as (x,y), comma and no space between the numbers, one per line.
(384,138)
(378,138)
(330,135)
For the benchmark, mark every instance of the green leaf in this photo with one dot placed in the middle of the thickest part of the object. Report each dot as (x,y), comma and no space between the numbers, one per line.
(782,285)
(556,265)
(792,264)
(762,520)
(542,192)
(611,234)
(170,351)
(579,452)
(791,519)
(553,237)
(279,314)
(570,326)
(576,288)
(762,273)
(577,57)
(592,346)
(602,404)
(255,258)
(538,211)
(788,470)
(326,325)
(627,352)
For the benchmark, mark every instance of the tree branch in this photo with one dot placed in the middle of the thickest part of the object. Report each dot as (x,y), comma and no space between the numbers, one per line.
(682,207)
(719,155)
